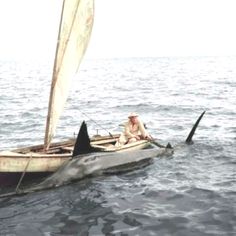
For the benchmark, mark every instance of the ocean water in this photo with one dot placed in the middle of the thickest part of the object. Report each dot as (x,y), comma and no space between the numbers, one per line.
(192,193)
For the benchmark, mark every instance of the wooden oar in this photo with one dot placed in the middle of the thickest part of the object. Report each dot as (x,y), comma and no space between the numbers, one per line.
(160,145)
(153,141)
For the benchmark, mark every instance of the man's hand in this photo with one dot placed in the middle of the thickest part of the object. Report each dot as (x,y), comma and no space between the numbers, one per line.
(148,137)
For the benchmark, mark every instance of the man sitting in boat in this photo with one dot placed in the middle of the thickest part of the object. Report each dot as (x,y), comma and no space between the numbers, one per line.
(134,131)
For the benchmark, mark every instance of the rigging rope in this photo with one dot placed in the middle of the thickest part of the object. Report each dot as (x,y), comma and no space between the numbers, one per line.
(96,123)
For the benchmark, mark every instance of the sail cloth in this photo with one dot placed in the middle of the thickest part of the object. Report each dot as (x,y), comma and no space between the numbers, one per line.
(74,33)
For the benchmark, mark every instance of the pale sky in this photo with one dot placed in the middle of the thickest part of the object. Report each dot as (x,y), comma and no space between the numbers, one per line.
(124,28)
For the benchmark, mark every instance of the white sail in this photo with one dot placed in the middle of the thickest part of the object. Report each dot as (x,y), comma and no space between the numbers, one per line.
(75,30)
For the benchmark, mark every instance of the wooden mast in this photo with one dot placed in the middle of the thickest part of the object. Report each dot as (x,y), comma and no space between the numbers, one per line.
(54,79)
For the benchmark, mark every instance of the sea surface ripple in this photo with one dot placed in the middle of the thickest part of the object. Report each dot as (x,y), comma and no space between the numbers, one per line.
(191,193)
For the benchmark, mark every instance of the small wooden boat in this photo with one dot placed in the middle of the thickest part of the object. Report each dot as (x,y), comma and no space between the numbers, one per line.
(35,161)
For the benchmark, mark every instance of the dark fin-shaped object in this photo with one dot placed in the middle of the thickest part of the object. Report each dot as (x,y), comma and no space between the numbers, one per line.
(169,146)
(82,144)
(190,136)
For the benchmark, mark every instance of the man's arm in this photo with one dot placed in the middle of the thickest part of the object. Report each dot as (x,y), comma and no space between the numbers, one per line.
(142,129)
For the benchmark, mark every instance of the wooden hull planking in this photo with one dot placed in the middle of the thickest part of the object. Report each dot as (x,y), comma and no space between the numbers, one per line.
(33,160)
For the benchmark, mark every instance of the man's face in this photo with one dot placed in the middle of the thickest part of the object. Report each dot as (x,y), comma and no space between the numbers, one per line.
(134,119)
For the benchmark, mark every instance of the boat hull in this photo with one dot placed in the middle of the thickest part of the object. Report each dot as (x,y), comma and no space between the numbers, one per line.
(11,179)
(33,162)
(13,167)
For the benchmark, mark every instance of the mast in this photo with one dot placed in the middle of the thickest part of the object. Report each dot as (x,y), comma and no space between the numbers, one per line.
(73,37)
(54,77)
